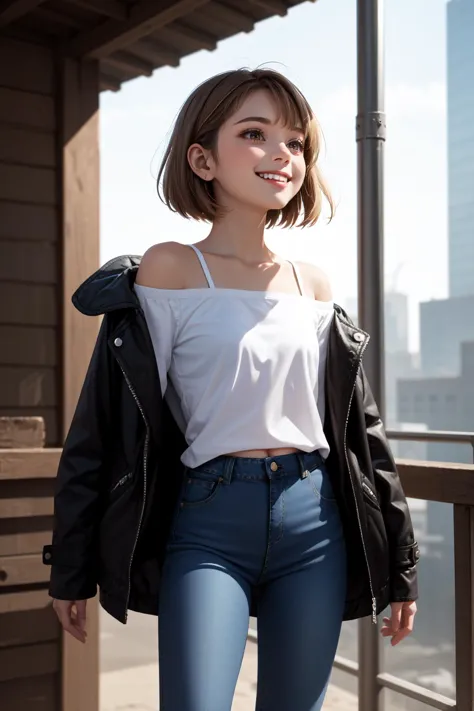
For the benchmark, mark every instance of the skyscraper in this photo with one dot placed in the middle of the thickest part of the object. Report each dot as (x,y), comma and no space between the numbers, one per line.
(460,49)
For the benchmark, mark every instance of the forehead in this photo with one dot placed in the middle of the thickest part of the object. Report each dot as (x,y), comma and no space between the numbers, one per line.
(263,103)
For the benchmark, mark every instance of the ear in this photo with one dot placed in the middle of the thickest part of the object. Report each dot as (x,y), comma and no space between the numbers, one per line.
(200,160)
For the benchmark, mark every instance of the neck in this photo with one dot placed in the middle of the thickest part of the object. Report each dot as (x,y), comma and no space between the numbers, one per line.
(239,233)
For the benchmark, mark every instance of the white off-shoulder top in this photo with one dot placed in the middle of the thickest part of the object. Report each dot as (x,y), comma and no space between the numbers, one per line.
(240,369)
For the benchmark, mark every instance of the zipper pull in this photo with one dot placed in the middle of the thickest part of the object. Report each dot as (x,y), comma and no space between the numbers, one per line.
(374,610)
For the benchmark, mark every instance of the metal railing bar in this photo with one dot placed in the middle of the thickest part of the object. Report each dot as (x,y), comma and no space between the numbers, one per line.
(416,692)
(432,436)
(346,665)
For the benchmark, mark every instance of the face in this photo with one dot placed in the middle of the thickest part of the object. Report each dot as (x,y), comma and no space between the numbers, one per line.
(259,164)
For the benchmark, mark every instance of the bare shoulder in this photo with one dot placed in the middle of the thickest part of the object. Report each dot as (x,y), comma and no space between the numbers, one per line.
(317,280)
(163,266)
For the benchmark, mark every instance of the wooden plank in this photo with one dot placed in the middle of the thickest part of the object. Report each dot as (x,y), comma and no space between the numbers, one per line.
(28,387)
(177,35)
(32,148)
(28,627)
(28,222)
(132,64)
(28,346)
(22,600)
(23,108)
(275,7)
(49,414)
(23,570)
(21,432)
(437,481)
(28,464)
(28,304)
(23,507)
(25,536)
(79,138)
(230,17)
(22,662)
(11,10)
(109,8)
(144,18)
(36,693)
(28,185)
(35,262)
(26,66)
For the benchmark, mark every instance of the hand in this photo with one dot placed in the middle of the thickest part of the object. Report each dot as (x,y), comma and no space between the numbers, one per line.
(400,624)
(72,616)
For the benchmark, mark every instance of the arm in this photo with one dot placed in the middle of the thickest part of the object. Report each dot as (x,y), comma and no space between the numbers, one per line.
(404,552)
(72,555)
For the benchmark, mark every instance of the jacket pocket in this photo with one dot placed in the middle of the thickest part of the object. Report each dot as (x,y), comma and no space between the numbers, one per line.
(120,485)
(369,492)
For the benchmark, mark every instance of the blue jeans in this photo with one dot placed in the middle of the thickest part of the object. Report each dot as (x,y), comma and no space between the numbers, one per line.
(243,527)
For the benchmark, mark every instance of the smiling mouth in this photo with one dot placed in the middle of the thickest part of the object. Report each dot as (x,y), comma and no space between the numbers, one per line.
(274,176)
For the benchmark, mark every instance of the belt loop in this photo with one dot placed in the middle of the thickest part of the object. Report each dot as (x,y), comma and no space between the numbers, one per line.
(228,469)
(303,471)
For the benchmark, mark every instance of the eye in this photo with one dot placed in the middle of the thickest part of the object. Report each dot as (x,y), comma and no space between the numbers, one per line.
(297,145)
(255,134)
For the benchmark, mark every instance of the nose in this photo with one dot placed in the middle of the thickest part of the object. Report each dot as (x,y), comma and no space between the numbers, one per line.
(282,153)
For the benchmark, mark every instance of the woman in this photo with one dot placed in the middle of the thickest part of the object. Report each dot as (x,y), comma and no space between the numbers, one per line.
(226,457)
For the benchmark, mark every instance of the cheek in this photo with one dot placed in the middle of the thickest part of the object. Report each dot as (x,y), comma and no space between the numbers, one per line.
(299,172)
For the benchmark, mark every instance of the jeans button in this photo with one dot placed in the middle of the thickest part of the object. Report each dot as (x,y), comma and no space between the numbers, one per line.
(274,466)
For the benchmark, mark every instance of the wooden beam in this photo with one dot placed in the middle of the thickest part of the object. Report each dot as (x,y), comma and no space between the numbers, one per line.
(153,50)
(196,38)
(129,63)
(109,83)
(11,10)
(110,8)
(79,141)
(144,18)
(276,7)
(231,17)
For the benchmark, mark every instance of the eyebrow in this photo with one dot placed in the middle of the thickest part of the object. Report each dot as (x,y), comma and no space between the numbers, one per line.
(264,120)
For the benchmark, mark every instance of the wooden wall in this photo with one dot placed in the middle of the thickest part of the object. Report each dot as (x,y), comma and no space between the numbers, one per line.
(30,301)
(30,636)
(49,243)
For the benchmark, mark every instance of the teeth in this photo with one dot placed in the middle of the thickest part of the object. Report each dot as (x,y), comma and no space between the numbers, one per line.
(274,176)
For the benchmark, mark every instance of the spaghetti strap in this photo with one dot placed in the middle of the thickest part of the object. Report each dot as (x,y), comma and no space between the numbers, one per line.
(298,278)
(204,266)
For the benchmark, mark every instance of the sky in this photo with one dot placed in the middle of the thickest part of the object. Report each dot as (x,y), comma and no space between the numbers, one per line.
(315,46)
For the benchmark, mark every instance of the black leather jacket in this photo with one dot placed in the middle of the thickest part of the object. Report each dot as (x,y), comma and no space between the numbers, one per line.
(120,471)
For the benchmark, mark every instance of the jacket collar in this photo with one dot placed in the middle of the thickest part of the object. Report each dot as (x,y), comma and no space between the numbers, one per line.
(109,288)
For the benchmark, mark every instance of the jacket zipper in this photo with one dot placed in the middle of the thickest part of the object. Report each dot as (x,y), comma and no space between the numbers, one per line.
(121,481)
(374,601)
(145,458)
(369,491)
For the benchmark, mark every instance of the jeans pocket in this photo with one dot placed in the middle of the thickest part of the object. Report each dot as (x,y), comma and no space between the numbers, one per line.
(200,487)
(321,484)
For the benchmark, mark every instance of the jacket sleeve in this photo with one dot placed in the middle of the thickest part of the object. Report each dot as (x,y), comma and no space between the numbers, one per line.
(77,499)
(404,551)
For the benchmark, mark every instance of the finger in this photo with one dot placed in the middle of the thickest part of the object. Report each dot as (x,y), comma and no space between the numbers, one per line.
(81,615)
(396,615)
(406,627)
(74,632)
(399,636)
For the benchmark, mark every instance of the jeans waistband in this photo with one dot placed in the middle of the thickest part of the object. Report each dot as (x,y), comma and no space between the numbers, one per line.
(261,468)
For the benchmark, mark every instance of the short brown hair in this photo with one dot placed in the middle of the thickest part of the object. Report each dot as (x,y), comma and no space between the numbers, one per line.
(199,121)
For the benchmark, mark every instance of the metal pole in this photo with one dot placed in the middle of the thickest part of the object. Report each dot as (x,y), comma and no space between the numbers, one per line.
(370,136)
